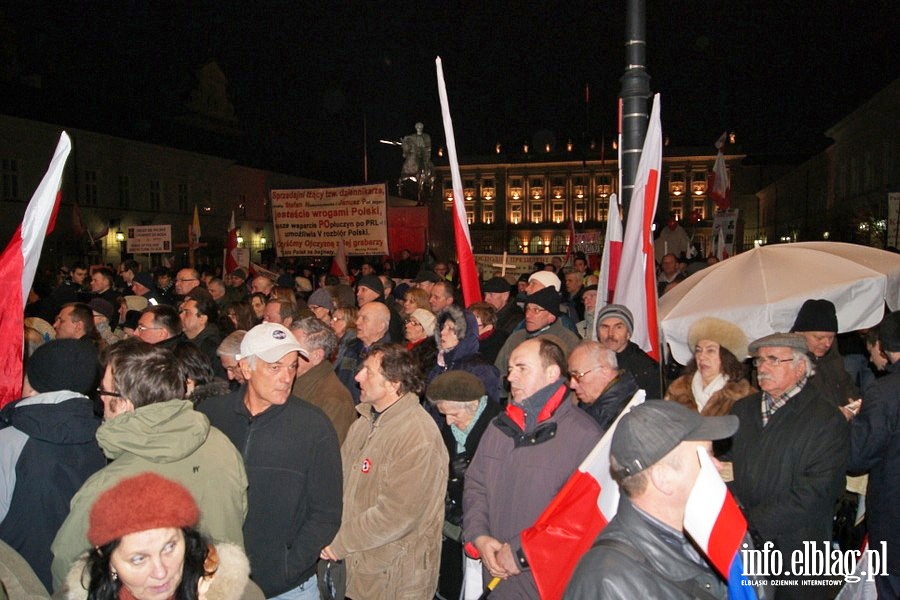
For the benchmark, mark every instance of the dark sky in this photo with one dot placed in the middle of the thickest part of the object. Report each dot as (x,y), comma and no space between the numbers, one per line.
(305,76)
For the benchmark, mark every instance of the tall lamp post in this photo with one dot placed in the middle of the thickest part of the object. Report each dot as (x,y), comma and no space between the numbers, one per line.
(635,93)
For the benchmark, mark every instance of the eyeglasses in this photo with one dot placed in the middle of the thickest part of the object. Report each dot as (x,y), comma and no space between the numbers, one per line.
(770,361)
(103,392)
(186,279)
(578,376)
(413,322)
(143,328)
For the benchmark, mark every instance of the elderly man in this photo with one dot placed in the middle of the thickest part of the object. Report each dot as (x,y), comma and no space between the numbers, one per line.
(615,324)
(817,323)
(74,321)
(236,285)
(370,289)
(542,279)
(643,552)
(185,281)
(875,449)
(426,279)
(575,295)
(229,351)
(293,463)
(498,293)
(371,328)
(262,284)
(541,318)
(524,458)
(279,311)
(142,285)
(395,478)
(217,290)
(601,387)
(670,274)
(585,328)
(148,427)
(316,381)
(790,452)
(441,296)
(160,324)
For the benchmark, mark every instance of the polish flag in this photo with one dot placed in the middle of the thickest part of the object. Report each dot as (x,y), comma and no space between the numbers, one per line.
(468,272)
(612,256)
(636,287)
(719,183)
(715,522)
(231,245)
(577,514)
(339,261)
(18,264)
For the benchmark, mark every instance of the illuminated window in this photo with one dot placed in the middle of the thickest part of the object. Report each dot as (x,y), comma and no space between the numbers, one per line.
(676,205)
(514,245)
(558,244)
(579,212)
(487,214)
(536,245)
(537,212)
(559,212)
(515,213)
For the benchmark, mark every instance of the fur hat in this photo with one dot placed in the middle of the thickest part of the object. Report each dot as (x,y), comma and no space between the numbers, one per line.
(617,311)
(63,365)
(425,318)
(455,386)
(889,332)
(451,313)
(137,303)
(146,501)
(725,334)
(816,315)
(547,298)
(546,278)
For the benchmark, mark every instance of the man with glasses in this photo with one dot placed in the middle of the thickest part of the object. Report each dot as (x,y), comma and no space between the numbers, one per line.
(228,352)
(601,387)
(185,281)
(790,453)
(161,325)
(149,427)
(293,462)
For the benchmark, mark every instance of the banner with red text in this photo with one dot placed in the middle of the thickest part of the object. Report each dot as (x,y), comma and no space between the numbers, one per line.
(311,222)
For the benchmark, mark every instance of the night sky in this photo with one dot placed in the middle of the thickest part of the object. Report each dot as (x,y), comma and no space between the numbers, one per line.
(304,77)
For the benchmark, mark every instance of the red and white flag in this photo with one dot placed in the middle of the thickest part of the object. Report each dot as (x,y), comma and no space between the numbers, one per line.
(468,272)
(636,287)
(18,264)
(612,256)
(719,183)
(231,244)
(577,514)
(339,261)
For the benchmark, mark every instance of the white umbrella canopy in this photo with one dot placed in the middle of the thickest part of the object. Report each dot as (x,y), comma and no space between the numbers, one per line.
(762,289)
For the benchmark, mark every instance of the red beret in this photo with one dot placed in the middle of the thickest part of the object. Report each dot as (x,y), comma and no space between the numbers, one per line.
(146,501)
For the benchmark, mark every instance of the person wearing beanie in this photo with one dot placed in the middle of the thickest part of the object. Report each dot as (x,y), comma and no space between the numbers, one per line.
(715,378)
(460,398)
(49,448)
(498,293)
(615,324)
(541,318)
(149,427)
(370,289)
(817,323)
(420,341)
(160,524)
(875,449)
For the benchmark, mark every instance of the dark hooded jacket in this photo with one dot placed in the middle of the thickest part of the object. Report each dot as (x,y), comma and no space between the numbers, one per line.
(607,407)
(465,356)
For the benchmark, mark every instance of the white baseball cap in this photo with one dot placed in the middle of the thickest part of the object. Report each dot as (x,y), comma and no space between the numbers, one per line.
(270,342)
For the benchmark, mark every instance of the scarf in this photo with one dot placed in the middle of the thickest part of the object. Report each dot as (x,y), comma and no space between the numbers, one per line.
(702,394)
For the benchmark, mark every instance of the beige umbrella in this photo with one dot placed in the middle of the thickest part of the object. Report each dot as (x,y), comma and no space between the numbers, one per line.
(762,289)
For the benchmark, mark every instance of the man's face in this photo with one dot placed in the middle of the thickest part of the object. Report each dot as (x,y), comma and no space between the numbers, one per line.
(113,406)
(163,281)
(191,321)
(232,369)
(374,387)
(78,276)
(669,265)
(779,376)
(441,269)
(533,286)
(580,265)
(126,274)
(369,325)
(65,327)
(590,301)
(148,331)
(526,374)
(216,290)
(685,456)
(818,342)
(269,383)
(588,378)
(99,283)
(573,282)
(366,269)
(365,295)
(496,299)
(272,313)
(613,333)
(438,300)
(185,281)
(315,356)
(261,284)
(537,317)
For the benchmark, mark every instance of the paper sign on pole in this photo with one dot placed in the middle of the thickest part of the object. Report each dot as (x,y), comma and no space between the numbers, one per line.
(149,239)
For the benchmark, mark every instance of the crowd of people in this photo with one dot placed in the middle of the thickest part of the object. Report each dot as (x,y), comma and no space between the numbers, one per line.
(184,434)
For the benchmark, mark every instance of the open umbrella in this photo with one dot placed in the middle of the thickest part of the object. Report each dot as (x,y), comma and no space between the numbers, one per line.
(762,289)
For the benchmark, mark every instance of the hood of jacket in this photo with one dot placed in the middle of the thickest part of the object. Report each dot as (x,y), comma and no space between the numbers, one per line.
(60,417)
(464,322)
(162,432)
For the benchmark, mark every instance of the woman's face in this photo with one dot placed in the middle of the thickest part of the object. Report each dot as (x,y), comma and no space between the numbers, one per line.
(259,307)
(339,324)
(448,336)
(706,353)
(413,330)
(150,563)
(409,305)
(458,414)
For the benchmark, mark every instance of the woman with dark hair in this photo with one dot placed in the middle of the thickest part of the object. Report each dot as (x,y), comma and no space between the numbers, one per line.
(145,546)
(200,380)
(258,305)
(715,378)
(241,316)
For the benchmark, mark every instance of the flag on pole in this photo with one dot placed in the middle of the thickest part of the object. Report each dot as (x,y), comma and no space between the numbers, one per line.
(231,244)
(194,230)
(339,262)
(636,287)
(612,256)
(719,183)
(715,522)
(573,519)
(468,272)
(18,264)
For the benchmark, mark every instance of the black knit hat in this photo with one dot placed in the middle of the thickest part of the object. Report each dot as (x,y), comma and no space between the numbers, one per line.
(372,282)
(63,365)
(496,285)
(816,315)
(547,298)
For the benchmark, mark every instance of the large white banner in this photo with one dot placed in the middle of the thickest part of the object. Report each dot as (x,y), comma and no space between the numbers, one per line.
(310,222)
